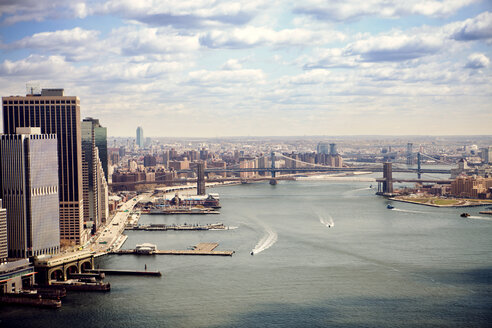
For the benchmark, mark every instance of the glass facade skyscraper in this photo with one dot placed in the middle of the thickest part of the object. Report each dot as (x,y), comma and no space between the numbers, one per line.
(95,154)
(29,175)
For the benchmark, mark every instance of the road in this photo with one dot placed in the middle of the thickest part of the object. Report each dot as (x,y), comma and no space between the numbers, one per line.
(110,235)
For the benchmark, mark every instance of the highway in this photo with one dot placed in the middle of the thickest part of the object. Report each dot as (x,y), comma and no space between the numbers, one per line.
(111,235)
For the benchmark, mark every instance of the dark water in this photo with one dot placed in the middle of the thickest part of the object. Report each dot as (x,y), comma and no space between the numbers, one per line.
(374,267)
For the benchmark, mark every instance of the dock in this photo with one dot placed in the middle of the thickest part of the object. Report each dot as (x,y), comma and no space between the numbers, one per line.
(173,227)
(173,211)
(127,272)
(203,249)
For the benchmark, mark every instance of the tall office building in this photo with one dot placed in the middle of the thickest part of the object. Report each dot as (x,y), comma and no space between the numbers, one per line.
(333,149)
(4,251)
(29,175)
(100,138)
(56,114)
(322,148)
(486,154)
(140,137)
(93,137)
(103,191)
(409,153)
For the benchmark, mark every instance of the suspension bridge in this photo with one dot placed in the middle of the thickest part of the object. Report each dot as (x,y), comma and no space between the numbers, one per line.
(268,168)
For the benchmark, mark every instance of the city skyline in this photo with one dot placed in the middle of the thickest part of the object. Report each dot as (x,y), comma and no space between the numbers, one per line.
(202,69)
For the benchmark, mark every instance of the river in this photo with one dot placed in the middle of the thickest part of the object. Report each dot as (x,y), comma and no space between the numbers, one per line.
(327,254)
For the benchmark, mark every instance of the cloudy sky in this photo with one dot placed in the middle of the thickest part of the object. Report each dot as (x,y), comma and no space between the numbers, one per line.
(207,68)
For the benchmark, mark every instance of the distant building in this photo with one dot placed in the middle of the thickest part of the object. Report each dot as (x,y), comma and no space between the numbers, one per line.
(333,149)
(471,187)
(486,155)
(140,137)
(247,163)
(56,114)
(29,175)
(149,161)
(179,165)
(322,148)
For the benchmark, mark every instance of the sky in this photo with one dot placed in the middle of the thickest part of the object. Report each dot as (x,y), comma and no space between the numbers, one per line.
(212,68)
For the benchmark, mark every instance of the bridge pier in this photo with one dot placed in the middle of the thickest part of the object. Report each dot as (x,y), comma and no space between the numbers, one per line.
(273,164)
(388,177)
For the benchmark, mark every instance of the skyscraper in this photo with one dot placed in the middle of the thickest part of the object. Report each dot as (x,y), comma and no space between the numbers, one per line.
(322,148)
(140,137)
(56,114)
(100,136)
(29,175)
(94,154)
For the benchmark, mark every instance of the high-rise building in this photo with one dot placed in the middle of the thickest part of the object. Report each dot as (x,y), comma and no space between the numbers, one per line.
(333,149)
(4,251)
(486,154)
(102,191)
(56,114)
(100,138)
(322,148)
(140,137)
(409,153)
(29,175)
(94,154)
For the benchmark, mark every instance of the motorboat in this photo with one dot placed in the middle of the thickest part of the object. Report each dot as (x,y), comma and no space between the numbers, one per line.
(464,215)
(390,207)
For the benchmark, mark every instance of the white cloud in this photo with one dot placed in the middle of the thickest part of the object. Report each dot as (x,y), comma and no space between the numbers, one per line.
(477,28)
(355,9)
(227,77)
(15,11)
(36,66)
(250,36)
(184,13)
(231,65)
(395,47)
(136,40)
(477,60)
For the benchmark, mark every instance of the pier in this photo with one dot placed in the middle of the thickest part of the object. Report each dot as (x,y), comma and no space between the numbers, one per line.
(200,249)
(173,227)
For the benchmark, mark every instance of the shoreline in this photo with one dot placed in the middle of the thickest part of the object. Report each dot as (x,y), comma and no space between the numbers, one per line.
(436,205)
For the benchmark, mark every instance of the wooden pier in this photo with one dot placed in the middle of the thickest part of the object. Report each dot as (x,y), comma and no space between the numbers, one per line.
(200,249)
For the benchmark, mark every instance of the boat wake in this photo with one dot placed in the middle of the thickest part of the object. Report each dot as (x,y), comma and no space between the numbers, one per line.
(266,242)
(360,189)
(479,218)
(410,211)
(327,222)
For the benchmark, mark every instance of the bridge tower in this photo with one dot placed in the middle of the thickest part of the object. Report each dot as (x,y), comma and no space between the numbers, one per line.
(419,169)
(200,178)
(273,164)
(388,176)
